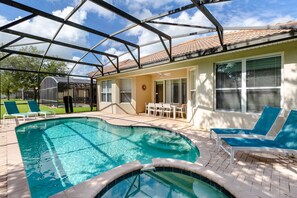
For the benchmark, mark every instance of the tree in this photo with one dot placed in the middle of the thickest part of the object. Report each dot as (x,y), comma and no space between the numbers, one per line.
(8,84)
(15,80)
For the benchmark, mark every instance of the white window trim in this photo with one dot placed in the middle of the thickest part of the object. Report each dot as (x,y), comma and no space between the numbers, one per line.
(101,99)
(243,91)
(195,86)
(120,91)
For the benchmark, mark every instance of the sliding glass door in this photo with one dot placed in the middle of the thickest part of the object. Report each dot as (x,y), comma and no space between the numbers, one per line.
(159,91)
(175,91)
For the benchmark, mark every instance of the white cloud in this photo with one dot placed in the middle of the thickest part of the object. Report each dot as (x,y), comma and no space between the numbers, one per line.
(91,7)
(75,58)
(46,28)
(144,36)
(241,18)
(115,51)
(139,4)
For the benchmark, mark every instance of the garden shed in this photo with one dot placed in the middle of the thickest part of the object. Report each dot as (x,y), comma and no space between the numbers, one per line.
(53,89)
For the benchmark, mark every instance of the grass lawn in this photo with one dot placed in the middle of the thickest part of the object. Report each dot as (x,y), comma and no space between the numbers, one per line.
(23,108)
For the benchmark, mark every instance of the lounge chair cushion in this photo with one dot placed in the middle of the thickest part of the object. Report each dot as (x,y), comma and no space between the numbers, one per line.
(262,127)
(286,138)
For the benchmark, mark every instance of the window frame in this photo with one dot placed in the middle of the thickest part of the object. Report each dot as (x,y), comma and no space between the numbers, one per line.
(244,87)
(107,92)
(180,88)
(193,89)
(125,91)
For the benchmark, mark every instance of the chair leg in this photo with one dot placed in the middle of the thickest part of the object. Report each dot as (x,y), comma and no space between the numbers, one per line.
(232,156)
(217,141)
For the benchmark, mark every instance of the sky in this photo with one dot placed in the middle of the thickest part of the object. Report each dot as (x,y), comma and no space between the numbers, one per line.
(232,13)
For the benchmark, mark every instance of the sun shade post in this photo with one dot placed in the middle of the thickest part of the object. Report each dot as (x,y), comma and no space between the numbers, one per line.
(47,57)
(136,60)
(200,5)
(60,43)
(17,22)
(167,13)
(61,20)
(181,25)
(100,69)
(6,56)
(168,51)
(116,66)
(35,72)
(139,58)
(58,31)
(91,93)
(11,42)
(129,17)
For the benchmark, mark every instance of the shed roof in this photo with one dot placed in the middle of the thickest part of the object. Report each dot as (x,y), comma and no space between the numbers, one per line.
(59,79)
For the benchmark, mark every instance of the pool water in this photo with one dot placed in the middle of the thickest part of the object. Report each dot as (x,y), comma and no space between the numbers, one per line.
(60,153)
(163,184)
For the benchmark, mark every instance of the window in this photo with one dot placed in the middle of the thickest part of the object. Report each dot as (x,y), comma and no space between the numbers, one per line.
(263,82)
(193,87)
(228,86)
(248,85)
(125,90)
(175,91)
(106,91)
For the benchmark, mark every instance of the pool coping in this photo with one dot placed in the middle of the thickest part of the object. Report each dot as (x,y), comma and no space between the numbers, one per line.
(14,159)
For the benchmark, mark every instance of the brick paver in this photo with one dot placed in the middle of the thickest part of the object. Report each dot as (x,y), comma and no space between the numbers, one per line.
(251,174)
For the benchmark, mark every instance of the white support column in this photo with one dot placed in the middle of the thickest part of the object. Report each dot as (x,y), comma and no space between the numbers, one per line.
(243,87)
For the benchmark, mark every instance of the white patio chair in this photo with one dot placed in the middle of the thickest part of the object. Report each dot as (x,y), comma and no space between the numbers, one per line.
(181,110)
(167,109)
(151,109)
(159,109)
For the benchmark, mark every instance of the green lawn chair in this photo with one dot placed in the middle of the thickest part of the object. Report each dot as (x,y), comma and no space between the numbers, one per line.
(12,110)
(33,106)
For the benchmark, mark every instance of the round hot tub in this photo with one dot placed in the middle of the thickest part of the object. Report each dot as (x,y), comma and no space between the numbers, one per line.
(163,182)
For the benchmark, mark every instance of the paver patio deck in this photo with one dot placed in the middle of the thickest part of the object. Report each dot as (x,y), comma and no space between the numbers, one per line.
(251,175)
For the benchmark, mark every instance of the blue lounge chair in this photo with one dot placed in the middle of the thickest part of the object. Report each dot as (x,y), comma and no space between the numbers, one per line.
(260,130)
(33,106)
(12,110)
(285,141)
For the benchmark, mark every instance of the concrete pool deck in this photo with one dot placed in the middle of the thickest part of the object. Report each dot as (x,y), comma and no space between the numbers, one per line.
(251,174)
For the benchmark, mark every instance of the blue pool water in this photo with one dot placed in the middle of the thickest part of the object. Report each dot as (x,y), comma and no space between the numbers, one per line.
(163,184)
(60,153)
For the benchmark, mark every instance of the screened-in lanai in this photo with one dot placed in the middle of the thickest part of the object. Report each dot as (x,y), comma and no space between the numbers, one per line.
(54,89)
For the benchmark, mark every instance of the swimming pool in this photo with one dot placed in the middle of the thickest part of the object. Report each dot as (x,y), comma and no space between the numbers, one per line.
(61,153)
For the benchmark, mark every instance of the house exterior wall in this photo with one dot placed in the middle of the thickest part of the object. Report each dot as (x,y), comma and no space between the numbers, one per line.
(143,95)
(115,106)
(206,115)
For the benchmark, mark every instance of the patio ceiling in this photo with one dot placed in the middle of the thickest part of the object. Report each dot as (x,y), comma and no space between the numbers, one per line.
(20,38)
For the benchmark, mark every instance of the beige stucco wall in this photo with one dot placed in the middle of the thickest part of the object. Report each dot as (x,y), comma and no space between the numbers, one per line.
(116,106)
(143,96)
(138,94)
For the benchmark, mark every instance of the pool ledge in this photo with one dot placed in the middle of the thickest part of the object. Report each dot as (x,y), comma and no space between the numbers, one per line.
(91,187)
